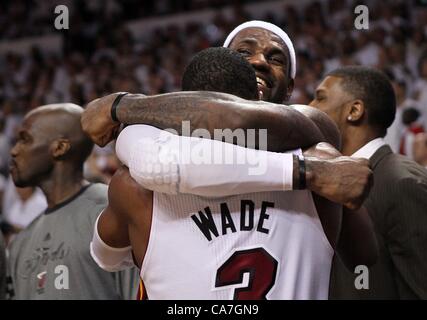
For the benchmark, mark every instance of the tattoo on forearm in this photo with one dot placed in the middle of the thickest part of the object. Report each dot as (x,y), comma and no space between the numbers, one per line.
(167,111)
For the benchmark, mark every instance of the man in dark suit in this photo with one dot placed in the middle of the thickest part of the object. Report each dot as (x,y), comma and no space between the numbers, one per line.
(362,103)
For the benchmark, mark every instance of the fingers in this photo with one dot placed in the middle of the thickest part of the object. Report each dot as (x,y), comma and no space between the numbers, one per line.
(102,143)
(111,135)
(106,139)
(355,203)
(115,133)
(365,188)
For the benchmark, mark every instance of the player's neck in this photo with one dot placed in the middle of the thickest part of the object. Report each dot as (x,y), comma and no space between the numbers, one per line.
(64,182)
(355,138)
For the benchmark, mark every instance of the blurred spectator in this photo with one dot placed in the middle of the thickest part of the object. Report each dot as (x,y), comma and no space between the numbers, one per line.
(421,87)
(101,165)
(411,119)
(13,118)
(4,150)
(10,195)
(17,207)
(29,204)
(22,18)
(416,45)
(368,51)
(2,268)
(396,131)
(420,149)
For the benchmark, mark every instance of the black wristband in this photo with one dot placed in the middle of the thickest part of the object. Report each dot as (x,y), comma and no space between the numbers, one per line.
(115,105)
(302,178)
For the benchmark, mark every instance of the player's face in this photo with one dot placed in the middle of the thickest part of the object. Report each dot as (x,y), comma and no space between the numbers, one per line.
(269,56)
(31,159)
(331,98)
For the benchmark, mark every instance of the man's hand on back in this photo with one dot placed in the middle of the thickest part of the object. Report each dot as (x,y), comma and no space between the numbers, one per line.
(343,180)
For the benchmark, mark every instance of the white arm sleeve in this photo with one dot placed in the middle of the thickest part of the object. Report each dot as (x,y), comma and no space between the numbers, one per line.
(109,258)
(167,163)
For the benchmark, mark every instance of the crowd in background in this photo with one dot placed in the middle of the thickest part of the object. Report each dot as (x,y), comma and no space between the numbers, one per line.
(23,18)
(100,56)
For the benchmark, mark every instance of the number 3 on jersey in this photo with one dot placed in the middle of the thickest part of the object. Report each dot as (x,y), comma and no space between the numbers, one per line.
(262,269)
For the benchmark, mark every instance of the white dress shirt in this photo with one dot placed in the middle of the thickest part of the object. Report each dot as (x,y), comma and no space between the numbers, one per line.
(368,150)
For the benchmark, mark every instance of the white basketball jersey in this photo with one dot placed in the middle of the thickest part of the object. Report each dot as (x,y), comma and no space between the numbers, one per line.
(253,246)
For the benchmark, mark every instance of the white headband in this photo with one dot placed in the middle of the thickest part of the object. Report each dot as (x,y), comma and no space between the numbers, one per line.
(270,27)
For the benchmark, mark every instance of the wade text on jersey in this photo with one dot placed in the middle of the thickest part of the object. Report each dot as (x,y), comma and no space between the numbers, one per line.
(205,221)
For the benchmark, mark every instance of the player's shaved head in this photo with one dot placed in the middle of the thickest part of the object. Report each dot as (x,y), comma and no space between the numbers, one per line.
(57,119)
(222,70)
(50,137)
(62,121)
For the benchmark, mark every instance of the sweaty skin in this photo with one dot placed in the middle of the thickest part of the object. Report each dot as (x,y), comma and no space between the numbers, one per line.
(48,135)
(127,219)
(269,56)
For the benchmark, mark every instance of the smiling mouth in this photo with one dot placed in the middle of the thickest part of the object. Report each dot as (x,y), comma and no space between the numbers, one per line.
(262,82)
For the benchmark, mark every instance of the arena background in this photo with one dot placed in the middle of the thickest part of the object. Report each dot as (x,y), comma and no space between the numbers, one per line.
(144,46)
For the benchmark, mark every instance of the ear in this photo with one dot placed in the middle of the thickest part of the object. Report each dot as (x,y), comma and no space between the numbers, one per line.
(355,111)
(60,147)
(289,89)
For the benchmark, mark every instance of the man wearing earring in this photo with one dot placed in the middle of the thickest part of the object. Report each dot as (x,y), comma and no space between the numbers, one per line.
(362,103)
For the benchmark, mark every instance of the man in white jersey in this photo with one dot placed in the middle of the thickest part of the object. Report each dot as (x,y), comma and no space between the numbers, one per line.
(271,53)
(222,239)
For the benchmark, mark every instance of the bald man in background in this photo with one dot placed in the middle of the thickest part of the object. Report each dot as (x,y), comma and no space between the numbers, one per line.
(51,259)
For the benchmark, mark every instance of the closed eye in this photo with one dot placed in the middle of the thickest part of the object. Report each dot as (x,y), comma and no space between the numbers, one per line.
(277,59)
(244,52)
(319,95)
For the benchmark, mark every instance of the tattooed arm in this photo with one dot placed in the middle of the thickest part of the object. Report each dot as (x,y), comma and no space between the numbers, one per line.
(287,127)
